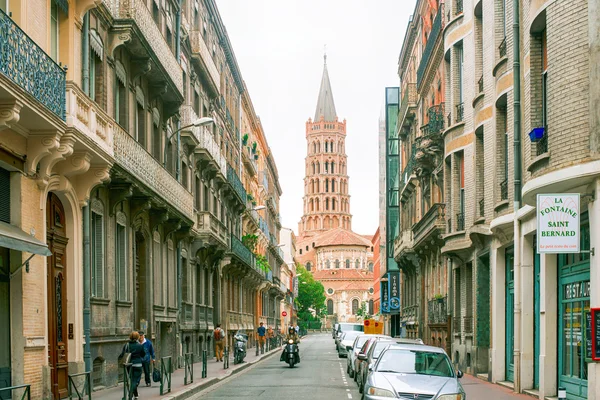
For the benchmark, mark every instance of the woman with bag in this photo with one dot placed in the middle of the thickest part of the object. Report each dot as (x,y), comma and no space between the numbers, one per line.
(133,353)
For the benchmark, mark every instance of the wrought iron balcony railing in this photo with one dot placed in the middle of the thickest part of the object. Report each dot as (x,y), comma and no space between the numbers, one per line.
(409,100)
(502,48)
(134,159)
(504,189)
(541,147)
(458,7)
(468,324)
(438,310)
(436,28)
(28,66)
(137,11)
(459,112)
(460,221)
(456,327)
(237,185)
(435,116)
(242,252)
(480,84)
(200,48)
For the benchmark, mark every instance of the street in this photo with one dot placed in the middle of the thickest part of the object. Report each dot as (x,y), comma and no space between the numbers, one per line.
(320,375)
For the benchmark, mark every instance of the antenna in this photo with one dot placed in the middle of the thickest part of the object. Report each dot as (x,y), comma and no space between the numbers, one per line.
(325,53)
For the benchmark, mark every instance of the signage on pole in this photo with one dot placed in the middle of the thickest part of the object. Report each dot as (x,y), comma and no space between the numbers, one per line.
(594,321)
(284,313)
(385,295)
(558,223)
(394,283)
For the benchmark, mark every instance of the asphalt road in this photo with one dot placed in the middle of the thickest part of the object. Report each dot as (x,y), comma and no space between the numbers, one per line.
(320,375)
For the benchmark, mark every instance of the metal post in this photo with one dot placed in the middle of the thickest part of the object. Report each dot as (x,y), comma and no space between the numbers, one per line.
(87,352)
(204,360)
(226,358)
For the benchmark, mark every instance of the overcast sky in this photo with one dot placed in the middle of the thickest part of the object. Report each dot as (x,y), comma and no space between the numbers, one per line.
(279,47)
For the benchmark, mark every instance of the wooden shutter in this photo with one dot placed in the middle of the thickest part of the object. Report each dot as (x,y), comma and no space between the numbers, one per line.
(158,274)
(98,254)
(122,292)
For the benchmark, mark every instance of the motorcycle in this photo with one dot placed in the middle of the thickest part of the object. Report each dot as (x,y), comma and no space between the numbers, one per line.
(292,355)
(239,348)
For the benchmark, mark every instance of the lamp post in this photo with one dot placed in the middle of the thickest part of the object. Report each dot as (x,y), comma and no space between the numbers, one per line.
(199,122)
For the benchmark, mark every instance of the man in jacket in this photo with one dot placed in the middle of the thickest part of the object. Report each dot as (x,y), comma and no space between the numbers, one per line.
(261,337)
(219,336)
(149,357)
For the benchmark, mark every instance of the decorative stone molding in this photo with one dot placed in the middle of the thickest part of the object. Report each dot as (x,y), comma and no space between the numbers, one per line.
(64,150)
(9,113)
(39,146)
(84,183)
(77,164)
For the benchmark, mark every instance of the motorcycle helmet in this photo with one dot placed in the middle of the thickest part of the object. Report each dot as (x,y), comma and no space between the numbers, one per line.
(291,330)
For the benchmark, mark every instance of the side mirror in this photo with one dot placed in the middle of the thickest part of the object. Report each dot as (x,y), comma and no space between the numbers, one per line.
(459,374)
(371,367)
(349,348)
(362,356)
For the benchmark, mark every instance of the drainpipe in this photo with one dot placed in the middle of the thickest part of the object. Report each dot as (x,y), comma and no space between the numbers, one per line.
(517,197)
(450,305)
(85,55)
(87,355)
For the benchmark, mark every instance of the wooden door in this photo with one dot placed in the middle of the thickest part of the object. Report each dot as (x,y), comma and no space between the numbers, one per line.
(58,359)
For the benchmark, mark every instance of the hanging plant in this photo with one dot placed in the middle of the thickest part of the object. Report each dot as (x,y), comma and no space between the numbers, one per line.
(254,147)
(245,138)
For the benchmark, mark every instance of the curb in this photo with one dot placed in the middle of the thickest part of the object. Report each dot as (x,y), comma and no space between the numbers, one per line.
(208,382)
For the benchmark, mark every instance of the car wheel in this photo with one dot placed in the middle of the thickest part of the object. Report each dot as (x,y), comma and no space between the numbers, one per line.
(340,355)
(355,378)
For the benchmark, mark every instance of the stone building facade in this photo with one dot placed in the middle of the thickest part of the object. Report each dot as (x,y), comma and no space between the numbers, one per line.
(126,170)
(510,68)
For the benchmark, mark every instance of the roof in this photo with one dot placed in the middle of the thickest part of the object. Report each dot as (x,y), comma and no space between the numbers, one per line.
(343,274)
(325,104)
(346,285)
(341,236)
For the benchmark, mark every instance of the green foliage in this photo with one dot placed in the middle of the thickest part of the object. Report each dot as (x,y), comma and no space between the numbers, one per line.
(262,263)
(311,294)
(250,242)
(254,145)
(363,311)
(245,138)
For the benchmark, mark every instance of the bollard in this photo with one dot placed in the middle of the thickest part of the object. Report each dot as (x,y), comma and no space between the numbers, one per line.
(204,356)
(562,393)
(257,346)
(226,358)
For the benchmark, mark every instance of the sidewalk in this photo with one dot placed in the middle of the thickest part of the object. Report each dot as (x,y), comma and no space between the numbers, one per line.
(214,373)
(479,389)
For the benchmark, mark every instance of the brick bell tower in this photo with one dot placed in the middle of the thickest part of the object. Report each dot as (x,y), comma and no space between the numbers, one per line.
(326,198)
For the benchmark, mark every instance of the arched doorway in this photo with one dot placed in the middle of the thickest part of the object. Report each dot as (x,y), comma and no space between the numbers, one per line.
(58,354)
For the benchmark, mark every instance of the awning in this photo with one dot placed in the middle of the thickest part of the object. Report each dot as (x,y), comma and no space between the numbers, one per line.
(14,238)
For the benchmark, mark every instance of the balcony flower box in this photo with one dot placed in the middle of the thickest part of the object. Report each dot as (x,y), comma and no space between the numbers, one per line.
(537,134)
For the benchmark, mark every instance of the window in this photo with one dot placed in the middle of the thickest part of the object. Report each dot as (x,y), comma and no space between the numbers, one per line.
(205,198)
(332,166)
(333,204)
(371,309)
(156,136)
(156,13)
(159,276)
(96,67)
(140,116)
(184,176)
(197,193)
(357,264)
(308,266)
(186,284)
(121,97)
(4,6)
(370,267)
(54,30)
(328,264)
(326,184)
(333,184)
(97,249)
(329,307)
(327,204)
(326,147)
(354,306)
(337,264)
(347,263)
(4,195)
(121,259)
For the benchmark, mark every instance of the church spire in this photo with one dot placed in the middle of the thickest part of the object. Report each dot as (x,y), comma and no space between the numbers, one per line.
(325,104)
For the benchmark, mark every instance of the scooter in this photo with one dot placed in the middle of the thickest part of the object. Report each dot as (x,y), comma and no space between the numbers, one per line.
(239,348)
(292,354)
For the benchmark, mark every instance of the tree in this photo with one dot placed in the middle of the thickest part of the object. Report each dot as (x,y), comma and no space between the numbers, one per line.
(363,311)
(311,294)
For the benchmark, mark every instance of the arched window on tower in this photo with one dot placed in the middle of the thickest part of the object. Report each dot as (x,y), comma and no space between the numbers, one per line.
(329,307)
(337,264)
(370,267)
(348,263)
(327,204)
(332,169)
(357,263)
(308,266)
(315,148)
(326,166)
(333,204)
(328,264)
(327,185)
(312,205)
(332,146)
(317,201)
(354,306)
(313,168)
(326,145)
(312,186)
(318,168)
(333,185)
(317,185)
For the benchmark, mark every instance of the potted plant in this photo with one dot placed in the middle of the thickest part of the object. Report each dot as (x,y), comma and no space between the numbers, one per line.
(439,297)
(254,145)
(537,134)
(245,139)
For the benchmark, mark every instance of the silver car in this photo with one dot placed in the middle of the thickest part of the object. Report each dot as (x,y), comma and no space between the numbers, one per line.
(345,342)
(412,371)
(353,351)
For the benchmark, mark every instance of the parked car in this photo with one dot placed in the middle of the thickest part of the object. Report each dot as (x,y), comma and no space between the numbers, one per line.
(413,371)
(369,354)
(345,342)
(355,348)
(345,327)
(334,330)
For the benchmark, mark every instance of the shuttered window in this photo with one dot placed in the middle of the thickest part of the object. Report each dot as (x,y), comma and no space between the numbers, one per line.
(121,264)
(186,285)
(172,274)
(158,270)
(4,196)
(97,254)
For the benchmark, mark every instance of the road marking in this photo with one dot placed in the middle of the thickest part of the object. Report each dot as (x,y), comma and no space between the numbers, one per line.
(349,396)
(347,390)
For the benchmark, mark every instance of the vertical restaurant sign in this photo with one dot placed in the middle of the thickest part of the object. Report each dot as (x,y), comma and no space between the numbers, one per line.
(558,223)
(385,294)
(394,283)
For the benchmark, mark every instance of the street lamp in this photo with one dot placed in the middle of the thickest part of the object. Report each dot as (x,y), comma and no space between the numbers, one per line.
(258,208)
(197,123)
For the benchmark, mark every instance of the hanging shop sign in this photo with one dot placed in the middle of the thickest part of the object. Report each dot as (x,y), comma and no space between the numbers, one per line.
(594,320)
(394,282)
(558,223)
(385,295)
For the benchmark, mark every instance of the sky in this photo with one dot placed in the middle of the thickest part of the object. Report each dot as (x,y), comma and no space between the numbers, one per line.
(279,46)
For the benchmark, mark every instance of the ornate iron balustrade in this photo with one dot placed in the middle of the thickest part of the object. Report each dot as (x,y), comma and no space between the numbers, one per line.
(456,327)
(134,159)
(541,147)
(28,66)
(199,47)
(438,310)
(502,48)
(468,324)
(433,218)
(204,137)
(480,84)
(460,221)
(435,124)
(207,222)
(242,252)
(409,99)
(459,7)
(137,11)
(235,182)
(410,165)
(504,189)
(431,40)
(459,112)
(482,208)
(262,224)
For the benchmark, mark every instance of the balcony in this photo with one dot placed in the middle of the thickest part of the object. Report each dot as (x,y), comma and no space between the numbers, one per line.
(87,117)
(429,148)
(249,161)
(431,226)
(408,105)
(438,311)
(264,227)
(541,147)
(134,21)
(502,48)
(460,222)
(468,325)
(404,248)
(243,253)
(210,230)
(504,190)
(236,184)
(429,46)
(135,160)
(202,55)
(26,65)
(408,170)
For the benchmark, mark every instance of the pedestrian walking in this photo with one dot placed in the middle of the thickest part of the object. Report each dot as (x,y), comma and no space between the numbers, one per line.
(219,338)
(270,336)
(297,329)
(136,353)
(149,357)
(261,337)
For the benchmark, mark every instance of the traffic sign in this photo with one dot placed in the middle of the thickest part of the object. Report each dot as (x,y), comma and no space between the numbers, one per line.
(367,322)
(284,313)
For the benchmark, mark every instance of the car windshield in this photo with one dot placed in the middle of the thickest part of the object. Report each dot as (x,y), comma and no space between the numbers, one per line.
(351,327)
(415,362)
(350,335)
(379,348)
(360,341)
